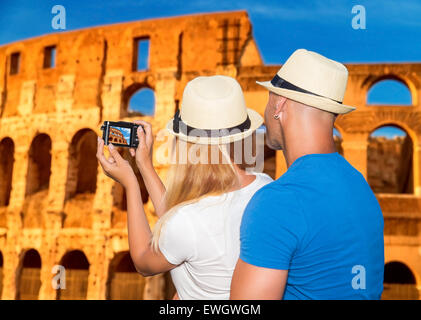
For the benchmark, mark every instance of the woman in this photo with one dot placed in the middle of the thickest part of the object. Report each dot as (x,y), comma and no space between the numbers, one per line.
(208,188)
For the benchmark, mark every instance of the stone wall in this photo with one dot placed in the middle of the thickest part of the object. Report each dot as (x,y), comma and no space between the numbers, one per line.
(389,165)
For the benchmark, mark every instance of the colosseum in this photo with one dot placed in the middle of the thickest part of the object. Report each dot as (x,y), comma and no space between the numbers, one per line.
(115,136)
(58,208)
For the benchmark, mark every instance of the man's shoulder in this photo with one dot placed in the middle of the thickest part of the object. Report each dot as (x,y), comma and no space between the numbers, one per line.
(273,197)
(279,187)
(274,209)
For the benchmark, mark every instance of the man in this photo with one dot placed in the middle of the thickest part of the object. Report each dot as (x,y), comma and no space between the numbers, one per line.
(317,231)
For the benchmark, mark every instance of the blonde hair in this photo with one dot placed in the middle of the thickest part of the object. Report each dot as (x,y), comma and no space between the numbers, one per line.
(189,182)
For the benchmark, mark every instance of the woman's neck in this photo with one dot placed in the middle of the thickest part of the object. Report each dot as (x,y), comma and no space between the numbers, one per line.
(244,178)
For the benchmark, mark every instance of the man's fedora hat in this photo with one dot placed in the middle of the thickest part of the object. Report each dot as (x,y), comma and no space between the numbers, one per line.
(312,79)
(213,111)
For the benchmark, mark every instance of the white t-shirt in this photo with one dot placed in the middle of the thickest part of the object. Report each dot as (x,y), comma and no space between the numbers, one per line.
(203,238)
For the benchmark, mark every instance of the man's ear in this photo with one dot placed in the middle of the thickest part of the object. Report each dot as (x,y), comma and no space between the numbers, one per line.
(280,105)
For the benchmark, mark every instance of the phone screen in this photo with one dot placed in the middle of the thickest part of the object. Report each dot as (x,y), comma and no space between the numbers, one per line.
(119,135)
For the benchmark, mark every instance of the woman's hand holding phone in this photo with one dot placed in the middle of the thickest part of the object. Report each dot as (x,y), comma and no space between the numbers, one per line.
(143,153)
(115,166)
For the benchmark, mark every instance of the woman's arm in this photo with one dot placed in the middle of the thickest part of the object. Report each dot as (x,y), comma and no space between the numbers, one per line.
(155,187)
(145,260)
(143,154)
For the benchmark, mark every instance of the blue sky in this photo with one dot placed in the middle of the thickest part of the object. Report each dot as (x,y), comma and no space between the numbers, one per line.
(388,132)
(390,92)
(143,101)
(393,28)
(392,34)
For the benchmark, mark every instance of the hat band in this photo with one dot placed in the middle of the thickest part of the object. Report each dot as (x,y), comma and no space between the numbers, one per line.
(223,132)
(279,82)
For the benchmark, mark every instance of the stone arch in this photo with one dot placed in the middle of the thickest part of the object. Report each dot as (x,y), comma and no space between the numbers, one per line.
(7,149)
(124,282)
(81,179)
(398,272)
(29,282)
(83,166)
(371,81)
(37,181)
(135,95)
(399,282)
(39,164)
(401,123)
(390,162)
(77,271)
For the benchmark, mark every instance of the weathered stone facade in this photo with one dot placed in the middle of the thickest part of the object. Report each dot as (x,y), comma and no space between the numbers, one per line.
(56,202)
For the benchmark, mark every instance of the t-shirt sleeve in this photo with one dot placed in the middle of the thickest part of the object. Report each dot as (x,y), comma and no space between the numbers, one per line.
(272,228)
(177,239)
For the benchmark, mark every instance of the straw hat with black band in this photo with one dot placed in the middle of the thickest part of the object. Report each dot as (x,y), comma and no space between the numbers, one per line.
(313,80)
(213,111)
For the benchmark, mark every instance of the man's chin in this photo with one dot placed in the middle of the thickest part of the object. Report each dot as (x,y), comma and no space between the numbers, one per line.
(273,145)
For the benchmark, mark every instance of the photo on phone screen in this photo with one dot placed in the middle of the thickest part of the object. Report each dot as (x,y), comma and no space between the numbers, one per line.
(119,135)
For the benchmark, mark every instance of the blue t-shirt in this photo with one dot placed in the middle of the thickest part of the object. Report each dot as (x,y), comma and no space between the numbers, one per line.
(322,222)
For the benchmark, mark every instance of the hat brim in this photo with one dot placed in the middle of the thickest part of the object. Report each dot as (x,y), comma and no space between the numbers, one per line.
(309,99)
(256,121)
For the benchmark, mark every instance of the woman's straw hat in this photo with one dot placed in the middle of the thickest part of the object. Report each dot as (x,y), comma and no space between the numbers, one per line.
(213,111)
